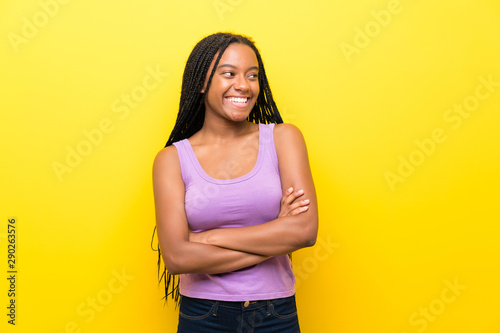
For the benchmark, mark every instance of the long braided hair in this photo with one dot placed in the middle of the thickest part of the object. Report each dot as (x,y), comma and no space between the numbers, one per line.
(192,110)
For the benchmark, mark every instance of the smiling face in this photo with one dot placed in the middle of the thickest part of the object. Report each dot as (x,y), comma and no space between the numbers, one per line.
(235,85)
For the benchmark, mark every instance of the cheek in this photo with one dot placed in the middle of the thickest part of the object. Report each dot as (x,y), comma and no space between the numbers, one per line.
(256,89)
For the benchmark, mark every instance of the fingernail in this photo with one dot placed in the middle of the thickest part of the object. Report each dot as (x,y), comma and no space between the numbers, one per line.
(290,190)
(300,191)
(306,201)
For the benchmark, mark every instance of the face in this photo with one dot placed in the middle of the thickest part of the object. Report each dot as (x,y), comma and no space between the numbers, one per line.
(235,84)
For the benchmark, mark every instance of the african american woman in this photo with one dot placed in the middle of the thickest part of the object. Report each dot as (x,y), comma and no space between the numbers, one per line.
(234,196)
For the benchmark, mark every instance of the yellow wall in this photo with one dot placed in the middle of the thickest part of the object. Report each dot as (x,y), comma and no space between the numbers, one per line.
(398,101)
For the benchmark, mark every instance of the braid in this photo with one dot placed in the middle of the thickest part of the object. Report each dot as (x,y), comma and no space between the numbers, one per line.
(191,113)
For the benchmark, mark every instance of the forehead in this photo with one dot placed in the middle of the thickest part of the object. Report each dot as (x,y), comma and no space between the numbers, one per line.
(238,55)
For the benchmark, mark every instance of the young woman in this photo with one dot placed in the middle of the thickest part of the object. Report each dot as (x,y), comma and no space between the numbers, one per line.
(233,194)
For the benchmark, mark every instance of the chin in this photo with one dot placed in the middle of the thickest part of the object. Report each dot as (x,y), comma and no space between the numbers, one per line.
(238,116)
(239,119)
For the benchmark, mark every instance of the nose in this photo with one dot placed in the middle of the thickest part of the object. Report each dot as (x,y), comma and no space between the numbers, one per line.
(241,83)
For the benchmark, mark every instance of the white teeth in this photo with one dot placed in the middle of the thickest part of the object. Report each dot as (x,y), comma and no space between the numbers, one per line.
(237,99)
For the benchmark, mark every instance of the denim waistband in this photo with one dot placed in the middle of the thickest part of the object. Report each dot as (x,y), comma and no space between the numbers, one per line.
(245,305)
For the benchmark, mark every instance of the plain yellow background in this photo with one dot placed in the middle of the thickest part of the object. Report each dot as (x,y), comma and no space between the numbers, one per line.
(393,100)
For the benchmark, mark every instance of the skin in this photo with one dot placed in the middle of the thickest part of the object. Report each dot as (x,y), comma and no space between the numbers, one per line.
(227,147)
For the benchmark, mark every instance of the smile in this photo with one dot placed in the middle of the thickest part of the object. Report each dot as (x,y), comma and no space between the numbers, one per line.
(238,101)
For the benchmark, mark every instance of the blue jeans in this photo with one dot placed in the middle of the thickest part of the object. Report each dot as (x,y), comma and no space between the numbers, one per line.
(207,316)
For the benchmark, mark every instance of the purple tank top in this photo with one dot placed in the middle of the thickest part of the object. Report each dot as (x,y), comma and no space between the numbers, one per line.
(227,203)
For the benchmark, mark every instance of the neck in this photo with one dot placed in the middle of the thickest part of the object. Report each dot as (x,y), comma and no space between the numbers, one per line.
(220,132)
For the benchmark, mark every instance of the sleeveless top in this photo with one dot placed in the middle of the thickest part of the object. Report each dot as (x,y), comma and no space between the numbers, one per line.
(229,203)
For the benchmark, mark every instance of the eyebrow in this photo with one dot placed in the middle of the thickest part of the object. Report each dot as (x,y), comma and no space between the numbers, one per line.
(232,66)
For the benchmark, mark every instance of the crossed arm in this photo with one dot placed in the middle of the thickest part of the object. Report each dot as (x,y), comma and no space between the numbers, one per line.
(222,250)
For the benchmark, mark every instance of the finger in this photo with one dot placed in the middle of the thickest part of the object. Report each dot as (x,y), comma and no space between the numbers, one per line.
(299,210)
(297,207)
(286,195)
(299,204)
(293,197)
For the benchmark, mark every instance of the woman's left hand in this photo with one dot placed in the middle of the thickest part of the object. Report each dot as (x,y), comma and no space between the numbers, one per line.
(291,205)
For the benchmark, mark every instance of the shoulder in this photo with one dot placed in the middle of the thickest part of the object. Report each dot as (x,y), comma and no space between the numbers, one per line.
(166,154)
(284,133)
(286,130)
(166,160)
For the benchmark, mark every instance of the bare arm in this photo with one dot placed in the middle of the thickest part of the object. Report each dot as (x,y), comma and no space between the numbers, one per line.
(286,233)
(179,254)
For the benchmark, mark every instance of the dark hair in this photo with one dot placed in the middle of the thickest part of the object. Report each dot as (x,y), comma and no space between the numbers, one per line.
(192,109)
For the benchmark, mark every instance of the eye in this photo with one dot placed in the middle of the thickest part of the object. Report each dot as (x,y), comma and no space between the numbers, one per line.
(253,76)
(228,74)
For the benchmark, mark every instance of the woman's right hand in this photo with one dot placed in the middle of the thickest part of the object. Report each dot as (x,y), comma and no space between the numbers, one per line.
(290,205)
